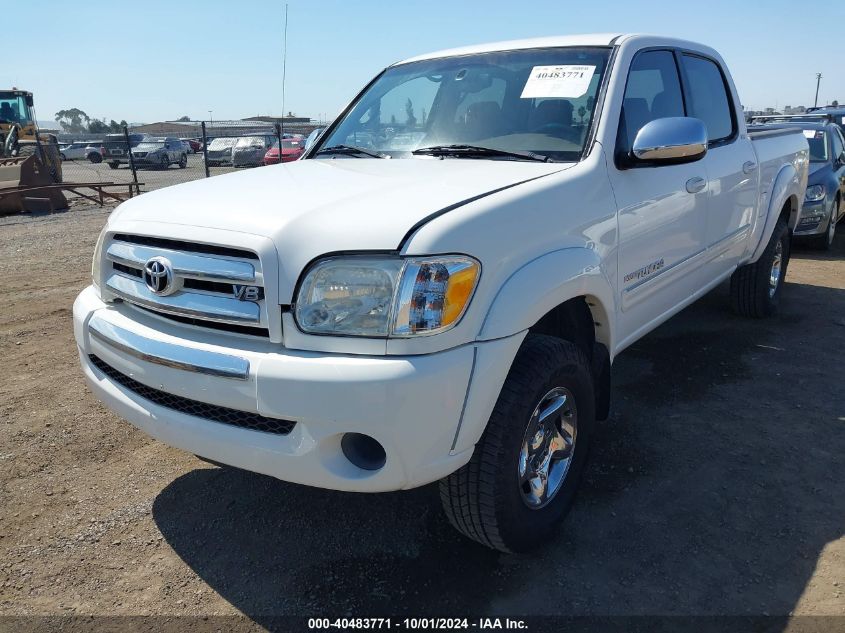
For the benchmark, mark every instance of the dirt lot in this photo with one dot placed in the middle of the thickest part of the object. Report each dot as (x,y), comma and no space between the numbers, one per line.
(715,488)
(82,170)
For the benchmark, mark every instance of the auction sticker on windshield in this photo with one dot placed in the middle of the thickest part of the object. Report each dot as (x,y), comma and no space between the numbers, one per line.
(568,82)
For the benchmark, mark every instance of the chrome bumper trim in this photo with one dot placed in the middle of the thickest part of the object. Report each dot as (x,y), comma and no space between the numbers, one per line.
(188,304)
(166,354)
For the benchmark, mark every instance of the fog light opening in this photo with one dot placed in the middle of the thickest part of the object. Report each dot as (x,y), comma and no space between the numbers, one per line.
(363,451)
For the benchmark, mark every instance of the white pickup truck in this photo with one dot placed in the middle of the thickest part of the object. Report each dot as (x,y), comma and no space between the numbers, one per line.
(436,291)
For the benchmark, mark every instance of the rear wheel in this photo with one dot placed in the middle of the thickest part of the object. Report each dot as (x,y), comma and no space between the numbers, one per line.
(756,288)
(114,165)
(95,158)
(523,474)
(62,156)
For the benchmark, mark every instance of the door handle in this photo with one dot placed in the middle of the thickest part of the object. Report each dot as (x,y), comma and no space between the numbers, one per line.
(694,185)
(748,167)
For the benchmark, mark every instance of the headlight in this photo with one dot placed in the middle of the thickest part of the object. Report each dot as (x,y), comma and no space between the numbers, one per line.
(385,296)
(814,193)
(96,260)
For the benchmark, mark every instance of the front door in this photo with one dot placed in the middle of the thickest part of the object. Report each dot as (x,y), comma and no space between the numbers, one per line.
(662,209)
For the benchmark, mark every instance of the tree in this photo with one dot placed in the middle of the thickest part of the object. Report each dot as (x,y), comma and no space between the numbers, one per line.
(73,120)
(582,112)
(184,118)
(834,103)
(98,127)
(409,112)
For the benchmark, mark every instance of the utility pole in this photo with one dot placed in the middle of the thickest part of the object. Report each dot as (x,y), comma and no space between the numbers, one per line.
(284,76)
(818,81)
(211,116)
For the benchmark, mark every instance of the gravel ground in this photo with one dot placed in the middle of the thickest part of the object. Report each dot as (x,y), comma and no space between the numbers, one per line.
(715,488)
(85,171)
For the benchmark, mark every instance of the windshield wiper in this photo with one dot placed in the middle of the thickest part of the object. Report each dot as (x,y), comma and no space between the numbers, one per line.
(475,151)
(349,149)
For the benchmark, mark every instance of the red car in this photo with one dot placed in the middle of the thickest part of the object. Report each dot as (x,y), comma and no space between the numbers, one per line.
(291,150)
(196,146)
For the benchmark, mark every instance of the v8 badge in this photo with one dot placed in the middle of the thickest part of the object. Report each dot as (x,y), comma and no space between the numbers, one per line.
(246,293)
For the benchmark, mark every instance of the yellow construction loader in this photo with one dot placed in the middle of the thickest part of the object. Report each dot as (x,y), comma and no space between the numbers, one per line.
(30,165)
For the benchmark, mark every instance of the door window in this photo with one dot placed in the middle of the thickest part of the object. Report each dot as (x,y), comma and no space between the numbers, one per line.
(653,91)
(838,147)
(707,97)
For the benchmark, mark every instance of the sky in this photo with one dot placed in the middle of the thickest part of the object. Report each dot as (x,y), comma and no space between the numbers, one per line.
(154,60)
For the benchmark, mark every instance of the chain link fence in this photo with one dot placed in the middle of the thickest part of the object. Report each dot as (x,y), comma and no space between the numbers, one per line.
(164,154)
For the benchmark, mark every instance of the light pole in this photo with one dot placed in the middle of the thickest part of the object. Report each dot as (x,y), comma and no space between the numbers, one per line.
(211,117)
(818,81)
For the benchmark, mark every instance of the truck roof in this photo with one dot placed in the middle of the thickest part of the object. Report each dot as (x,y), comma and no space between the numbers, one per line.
(591,39)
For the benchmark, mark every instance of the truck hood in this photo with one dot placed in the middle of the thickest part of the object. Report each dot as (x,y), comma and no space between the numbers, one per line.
(312,207)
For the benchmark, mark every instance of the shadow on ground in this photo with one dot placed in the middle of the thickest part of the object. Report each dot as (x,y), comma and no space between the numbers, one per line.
(712,490)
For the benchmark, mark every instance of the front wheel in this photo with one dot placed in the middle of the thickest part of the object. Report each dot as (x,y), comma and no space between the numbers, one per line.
(756,288)
(523,474)
(114,165)
(183,161)
(824,242)
(62,156)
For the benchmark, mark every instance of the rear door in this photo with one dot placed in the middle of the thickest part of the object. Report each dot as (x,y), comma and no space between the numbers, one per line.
(731,163)
(662,209)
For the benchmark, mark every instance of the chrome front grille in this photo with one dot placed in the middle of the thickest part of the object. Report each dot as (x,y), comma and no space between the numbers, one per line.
(202,282)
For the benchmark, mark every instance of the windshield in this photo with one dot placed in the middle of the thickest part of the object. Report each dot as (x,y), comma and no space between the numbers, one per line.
(250,141)
(13,108)
(817,140)
(539,100)
(221,143)
(286,144)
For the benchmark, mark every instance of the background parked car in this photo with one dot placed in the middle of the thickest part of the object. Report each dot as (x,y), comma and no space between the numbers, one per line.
(220,150)
(73,151)
(161,153)
(194,143)
(249,151)
(186,146)
(824,201)
(291,150)
(114,149)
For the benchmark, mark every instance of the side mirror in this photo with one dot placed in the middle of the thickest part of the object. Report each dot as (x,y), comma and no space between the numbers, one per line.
(671,140)
(313,136)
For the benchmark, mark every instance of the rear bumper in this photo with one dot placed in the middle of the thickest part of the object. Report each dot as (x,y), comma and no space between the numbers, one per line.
(411,405)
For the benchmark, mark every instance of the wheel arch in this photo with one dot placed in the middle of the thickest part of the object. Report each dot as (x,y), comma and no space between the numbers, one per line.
(783,202)
(559,283)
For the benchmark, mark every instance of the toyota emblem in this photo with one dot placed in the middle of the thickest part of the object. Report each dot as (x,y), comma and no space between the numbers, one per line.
(158,275)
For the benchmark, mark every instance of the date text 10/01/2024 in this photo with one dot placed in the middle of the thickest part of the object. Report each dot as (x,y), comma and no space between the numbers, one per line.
(417,623)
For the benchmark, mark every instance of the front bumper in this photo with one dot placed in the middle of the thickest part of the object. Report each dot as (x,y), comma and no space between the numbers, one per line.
(411,405)
(813,220)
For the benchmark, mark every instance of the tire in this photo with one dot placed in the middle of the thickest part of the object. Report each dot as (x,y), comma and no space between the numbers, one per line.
(62,156)
(824,241)
(183,161)
(489,500)
(754,290)
(95,158)
(114,165)
(164,163)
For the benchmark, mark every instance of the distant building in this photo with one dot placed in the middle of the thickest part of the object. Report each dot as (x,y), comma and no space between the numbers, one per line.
(289,118)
